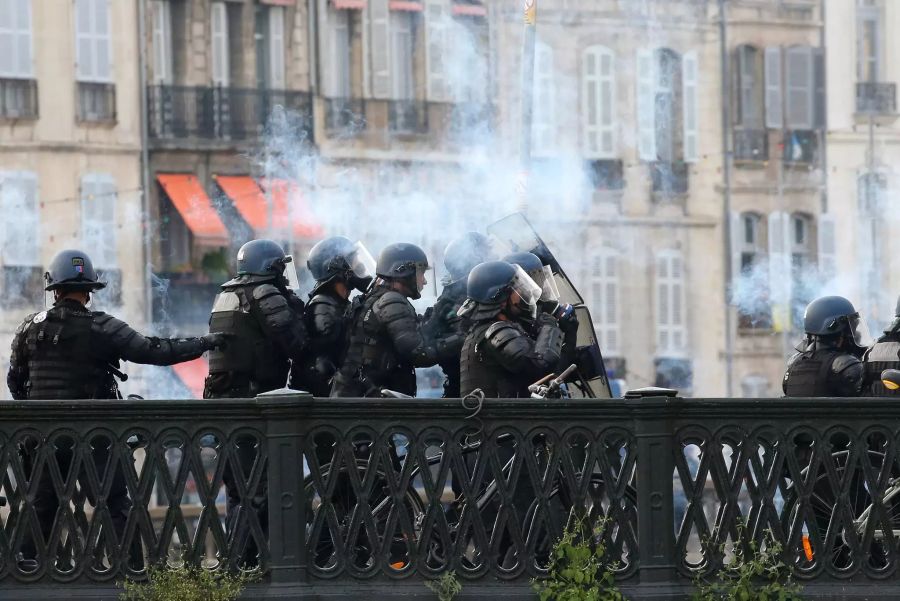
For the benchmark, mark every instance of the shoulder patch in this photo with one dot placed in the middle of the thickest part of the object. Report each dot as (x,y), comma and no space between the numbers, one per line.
(39,317)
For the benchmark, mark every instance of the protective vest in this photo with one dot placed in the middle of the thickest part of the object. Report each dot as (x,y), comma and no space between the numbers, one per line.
(885,354)
(808,374)
(371,362)
(62,357)
(478,369)
(325,325)
(252,362)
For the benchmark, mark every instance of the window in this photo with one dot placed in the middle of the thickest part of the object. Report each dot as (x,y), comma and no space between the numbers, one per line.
(401,34)
(163,67)
(269,37)
(22,271)
(869,36)
(437,25)
(93,44)
(605,299)
(774,97)
(15,39)
(598,102)
(748,83)
(98,218)
(379,49)
(220,59)
(750,285)
(671,331)
(336,53)
(543,128)
(800,246)
(668,108)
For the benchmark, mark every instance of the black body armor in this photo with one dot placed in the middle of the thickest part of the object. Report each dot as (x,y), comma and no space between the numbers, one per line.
(267,328)
(445,323)
(324,319)
(501,359)
(884,354)
(823,371)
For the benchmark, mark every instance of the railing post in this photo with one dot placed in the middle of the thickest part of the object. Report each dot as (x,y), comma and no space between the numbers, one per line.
(655,468)
(287,505)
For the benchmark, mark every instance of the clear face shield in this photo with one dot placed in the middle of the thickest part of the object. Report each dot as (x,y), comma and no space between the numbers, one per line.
(290,273)
(549,289)
(361,261)
(860,329)
(527,291)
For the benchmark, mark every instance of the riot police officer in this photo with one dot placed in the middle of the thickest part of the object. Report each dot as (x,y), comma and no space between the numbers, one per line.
(884,354)
(386,342)
(499,355)
(72,352)
(265,318)
(443,320)
(338,266)
(828,363)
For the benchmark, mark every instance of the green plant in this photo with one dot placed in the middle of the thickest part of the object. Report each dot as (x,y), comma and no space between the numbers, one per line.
(184,583)
(578,570)
(755,573)
(446,587)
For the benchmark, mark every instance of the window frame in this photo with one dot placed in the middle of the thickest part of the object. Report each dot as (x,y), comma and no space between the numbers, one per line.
(668,328)
(19,38)
(601,87)
(88,69)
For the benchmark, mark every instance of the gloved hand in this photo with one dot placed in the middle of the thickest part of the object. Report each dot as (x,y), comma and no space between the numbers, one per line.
(217,340)
(565,314)
(545,319)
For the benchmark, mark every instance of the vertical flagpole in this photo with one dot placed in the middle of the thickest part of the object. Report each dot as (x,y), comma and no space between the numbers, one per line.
(527,101)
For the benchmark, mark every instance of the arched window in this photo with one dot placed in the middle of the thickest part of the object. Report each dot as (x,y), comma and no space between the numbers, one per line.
(598,103)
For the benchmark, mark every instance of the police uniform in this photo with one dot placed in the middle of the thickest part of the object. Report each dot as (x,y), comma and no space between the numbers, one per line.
(445,323)
(324,317)
(823,371)
(884,354)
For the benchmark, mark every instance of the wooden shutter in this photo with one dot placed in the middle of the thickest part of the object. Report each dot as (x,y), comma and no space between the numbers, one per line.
(827,246)
(162,42)
(219,38)
(84,44)
(671,304)
(780,268)
(98,218)
(736,224)
(799,73)
(605,295)
(819,98)
(276,47)
(598,103)
(689,76)
(437,48)
(774,98)
(15,39)
(646,105)
(379,48)
(401,31)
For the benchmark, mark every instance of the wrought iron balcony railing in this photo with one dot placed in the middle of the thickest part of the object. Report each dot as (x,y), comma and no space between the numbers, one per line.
(345,116)
(96,102)
(669,179)
(876,98)
(18,98)
(751,145)
(220,113)
(329,497)
(408,116)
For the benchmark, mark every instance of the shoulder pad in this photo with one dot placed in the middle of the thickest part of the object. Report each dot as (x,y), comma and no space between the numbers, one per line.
(323,299)
(29,320)
(265,290)
(843,362)
(501,332)
(393,305)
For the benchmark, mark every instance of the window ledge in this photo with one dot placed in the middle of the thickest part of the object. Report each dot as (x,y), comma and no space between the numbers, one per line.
(757,164)
(756,332)
(877,118)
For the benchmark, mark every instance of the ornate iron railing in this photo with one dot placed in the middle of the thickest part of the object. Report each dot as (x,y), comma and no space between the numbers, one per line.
(335,494)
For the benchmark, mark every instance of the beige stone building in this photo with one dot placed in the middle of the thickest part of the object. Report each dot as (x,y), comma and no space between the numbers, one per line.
(70,151)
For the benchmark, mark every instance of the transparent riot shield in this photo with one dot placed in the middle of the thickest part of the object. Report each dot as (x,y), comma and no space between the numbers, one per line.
(592,382)
(514,233)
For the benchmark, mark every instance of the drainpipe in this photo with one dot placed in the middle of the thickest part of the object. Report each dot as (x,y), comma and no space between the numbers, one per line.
(145,158)
(726,201)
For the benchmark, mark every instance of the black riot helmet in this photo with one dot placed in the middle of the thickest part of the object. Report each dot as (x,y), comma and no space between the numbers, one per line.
(465,252)
(491,283)
(895,324)
(72,270)
(833,316)
(530,263)
(404,262)
(339,259)
(261,257)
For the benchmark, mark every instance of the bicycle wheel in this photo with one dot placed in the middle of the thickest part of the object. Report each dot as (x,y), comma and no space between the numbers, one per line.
(345,536)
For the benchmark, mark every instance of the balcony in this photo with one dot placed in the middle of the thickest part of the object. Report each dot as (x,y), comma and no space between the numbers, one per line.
(875,98)
(417,489)
(18,99)
(669,179)
(408,117)
(216,113)
(345,116)
(751,145)
(801,147)
(96,102)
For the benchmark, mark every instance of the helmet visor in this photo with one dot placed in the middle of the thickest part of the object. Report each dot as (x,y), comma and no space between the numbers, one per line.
(549,289)
(860,329)
(290,273)
(523,285)
(361,261)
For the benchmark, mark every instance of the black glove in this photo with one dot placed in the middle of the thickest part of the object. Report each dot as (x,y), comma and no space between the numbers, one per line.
(217,340)
(565,314)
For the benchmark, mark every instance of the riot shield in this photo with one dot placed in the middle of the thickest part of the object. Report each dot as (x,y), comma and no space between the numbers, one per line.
(514,233)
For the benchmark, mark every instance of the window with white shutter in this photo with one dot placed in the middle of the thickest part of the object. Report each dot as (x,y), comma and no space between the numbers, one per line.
(598,103)
(869,41)
(827,246)
(437,48)
(15,39)
(605,297)
(337,52)
(21,236)
(98,219)
(219,39)
(276,48)
(671,328)
(774,96)
(163,67)
(689,76)
(543,124)
(380,48)
(799,78)
(93,42)
(401,32)
(646,105)
(749,87)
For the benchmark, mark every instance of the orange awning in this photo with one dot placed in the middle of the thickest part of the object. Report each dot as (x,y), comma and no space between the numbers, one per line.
(248,199)
(405,5)
(469,10)
(192,374)
(194,206)
(288,205)
(349,4)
